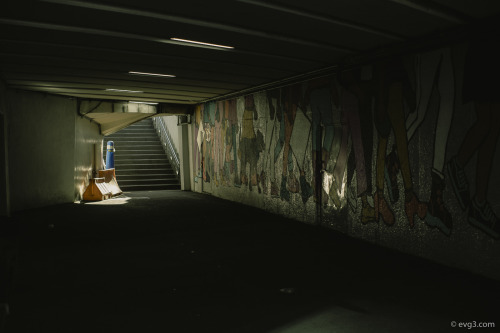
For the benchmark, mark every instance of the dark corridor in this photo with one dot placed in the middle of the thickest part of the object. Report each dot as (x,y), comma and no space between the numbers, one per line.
(150,262)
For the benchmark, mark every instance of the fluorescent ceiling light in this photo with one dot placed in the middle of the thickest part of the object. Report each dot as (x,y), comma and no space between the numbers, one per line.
(202,43)
(125,91)
(149,103)
(150,74)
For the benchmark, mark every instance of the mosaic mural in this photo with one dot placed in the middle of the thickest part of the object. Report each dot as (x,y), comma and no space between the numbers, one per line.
(350,141)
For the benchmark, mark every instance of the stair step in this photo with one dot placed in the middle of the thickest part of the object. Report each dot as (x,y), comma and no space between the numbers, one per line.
(127,172)
(162,166)
(132,133)
(138,176)
(123,153)
(141,161)
(132,136)
(128,141)
(141,124)
(137,127)
(139,154)
(138,150)
(148,151)
(151,187)
(152,181)
(136,143)
(141,148)
(136,139)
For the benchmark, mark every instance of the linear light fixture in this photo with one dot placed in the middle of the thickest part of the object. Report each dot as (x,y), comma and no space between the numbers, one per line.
(149,103)
(150,74)
(124,90)
(202,44)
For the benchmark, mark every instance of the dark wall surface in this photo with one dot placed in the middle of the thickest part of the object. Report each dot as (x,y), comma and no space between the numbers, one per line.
(400,152)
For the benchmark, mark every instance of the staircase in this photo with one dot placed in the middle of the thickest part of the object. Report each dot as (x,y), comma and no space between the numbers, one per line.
(140,161)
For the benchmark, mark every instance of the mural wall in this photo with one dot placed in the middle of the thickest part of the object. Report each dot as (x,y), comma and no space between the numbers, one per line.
(401,152)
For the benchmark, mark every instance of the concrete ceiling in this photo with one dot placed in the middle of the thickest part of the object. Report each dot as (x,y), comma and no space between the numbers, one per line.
(82,48)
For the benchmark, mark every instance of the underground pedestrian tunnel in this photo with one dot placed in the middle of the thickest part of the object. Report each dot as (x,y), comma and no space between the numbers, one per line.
(278,166)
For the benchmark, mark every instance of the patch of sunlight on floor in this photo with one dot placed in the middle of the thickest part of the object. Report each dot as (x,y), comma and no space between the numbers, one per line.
(120,200)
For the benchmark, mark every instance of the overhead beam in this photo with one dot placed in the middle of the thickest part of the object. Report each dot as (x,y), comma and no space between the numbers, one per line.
(121,63)
(44,74)
(131,98)
(117,34)
(171,90)
(433,9)
(328,19)
(86,107)
(59,81)
(197,22)
(174,109)
(226,81)
(92,52)
(96,51)
(96,90)
(119,67)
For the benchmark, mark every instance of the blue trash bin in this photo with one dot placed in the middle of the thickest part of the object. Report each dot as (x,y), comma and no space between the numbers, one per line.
(110,155)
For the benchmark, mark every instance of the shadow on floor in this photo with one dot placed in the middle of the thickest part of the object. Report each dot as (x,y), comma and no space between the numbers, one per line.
(175,261)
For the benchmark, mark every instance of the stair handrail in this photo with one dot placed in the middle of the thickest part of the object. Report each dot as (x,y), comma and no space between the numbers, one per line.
(166,142)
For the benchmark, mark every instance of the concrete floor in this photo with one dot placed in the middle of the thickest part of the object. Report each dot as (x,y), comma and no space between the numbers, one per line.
(174,261)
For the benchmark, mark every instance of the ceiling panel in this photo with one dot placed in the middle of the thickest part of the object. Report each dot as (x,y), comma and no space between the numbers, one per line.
(81,48)
(475,9)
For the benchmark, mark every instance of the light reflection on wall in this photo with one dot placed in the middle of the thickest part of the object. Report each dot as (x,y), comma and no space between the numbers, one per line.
(334,191)
(88,152)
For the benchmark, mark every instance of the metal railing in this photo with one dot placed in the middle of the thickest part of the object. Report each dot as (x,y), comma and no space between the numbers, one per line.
(166,142)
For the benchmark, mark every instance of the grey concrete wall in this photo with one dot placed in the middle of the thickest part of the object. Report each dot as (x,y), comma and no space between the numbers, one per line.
(185,165)
(41,137)
(366,152)
(181,141)
(171,124)
(88,154)
(196,147)
(4,169)
(190,145)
